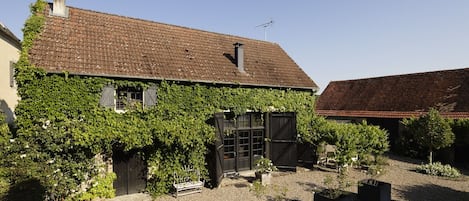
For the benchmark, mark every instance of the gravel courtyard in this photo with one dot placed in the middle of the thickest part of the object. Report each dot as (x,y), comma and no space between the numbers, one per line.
(406,185)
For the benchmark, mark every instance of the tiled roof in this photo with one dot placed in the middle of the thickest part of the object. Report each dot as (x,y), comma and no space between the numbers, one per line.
(398,96)
(387,114)
(98,44)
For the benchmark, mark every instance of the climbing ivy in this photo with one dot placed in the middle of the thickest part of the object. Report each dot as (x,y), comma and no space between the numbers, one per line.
(62,127)
(5,137)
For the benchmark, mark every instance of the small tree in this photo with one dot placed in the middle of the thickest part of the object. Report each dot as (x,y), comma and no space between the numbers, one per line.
(433,132)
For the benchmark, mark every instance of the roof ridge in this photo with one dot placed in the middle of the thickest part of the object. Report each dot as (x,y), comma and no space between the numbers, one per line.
(171,25)
(402,75)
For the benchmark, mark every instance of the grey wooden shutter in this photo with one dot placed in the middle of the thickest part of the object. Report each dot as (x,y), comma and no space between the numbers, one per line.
(107,97)
(12,74)
(149,96)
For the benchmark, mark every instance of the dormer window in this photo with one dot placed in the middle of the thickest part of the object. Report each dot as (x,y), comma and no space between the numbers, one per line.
(124,98)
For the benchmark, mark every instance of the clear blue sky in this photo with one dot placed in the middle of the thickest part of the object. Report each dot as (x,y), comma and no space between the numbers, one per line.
(329,39)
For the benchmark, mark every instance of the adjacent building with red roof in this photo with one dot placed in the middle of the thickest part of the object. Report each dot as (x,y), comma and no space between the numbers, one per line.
(385,101)
(399,96)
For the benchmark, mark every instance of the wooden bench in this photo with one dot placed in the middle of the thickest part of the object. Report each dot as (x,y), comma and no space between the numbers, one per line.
(187,182)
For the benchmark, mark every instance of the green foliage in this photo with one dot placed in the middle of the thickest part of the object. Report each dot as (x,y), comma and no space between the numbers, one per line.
(101,188)
(460,128)
(438,169)
(279,193)
(335,187)
(258,189)
(5,137)
(351,140)
(264,165)
(33,26)
(431,131)
(407,143)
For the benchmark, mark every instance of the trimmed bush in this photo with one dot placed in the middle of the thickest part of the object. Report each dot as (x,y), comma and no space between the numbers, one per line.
(438,169)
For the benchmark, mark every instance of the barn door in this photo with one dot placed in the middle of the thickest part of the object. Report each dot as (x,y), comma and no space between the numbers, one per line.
(131,173)
(219,149)
(282,131)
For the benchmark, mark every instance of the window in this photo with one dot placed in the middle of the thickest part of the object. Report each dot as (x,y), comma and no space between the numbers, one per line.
(12,74)
(128,97)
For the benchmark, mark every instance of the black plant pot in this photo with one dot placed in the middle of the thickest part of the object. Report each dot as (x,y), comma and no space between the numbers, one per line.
(344,196)
(373,190)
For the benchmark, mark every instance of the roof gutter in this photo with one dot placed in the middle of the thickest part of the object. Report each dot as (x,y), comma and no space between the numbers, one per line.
(9,37)
(314,89)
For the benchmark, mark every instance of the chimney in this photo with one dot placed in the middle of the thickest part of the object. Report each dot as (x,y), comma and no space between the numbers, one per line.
(239,56)
(59,8)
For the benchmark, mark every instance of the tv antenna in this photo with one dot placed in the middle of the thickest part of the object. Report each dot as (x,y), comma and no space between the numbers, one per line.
(265,26)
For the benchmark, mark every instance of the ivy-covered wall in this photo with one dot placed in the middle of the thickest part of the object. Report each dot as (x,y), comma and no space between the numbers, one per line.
(61,127)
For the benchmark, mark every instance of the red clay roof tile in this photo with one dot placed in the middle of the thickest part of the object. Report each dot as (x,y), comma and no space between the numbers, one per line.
(98,44)
(398,96)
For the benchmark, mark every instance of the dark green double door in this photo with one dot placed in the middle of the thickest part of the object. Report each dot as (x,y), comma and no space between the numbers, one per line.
(240,142)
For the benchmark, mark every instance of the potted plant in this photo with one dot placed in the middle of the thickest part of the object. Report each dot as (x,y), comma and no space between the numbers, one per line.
(264,167)
(335,191)
(374,190)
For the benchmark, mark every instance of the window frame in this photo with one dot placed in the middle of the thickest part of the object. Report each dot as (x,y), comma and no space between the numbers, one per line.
(120,105)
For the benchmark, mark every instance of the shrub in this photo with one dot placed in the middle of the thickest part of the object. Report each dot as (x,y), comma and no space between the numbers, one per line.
(101,188)
(4,144)
(438,169)
(366,141)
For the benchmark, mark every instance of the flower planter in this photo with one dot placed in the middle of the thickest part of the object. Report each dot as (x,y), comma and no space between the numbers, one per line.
(344,196)
(264,178)
(373,190)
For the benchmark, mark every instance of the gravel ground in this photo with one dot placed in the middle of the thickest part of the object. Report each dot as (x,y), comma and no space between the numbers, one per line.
(406,185)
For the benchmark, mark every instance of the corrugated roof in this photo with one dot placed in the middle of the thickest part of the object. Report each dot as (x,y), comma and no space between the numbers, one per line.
(99,44)
(398,96)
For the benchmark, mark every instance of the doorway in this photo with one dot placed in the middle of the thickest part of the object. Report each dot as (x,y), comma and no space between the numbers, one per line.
(243,142)
(131,172)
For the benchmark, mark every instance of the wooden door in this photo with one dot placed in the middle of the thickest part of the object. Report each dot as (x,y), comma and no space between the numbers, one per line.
(216,159)
(131,172)
(282,130)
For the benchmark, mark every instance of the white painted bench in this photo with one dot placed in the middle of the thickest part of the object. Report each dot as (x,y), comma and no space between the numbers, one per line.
(187,182)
